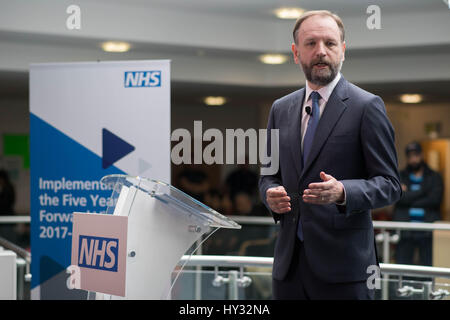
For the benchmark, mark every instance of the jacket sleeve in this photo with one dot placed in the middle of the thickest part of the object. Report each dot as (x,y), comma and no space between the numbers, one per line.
(408,198)
(382,185)
(273,180)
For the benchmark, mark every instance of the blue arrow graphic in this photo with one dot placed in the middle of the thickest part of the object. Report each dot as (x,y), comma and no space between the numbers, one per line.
(114,148)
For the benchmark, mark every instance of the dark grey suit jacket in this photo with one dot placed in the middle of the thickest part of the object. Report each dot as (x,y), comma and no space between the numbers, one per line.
(354,142)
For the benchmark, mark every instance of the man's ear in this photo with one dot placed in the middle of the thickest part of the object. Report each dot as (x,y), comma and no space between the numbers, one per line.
(295,53)
(343,50)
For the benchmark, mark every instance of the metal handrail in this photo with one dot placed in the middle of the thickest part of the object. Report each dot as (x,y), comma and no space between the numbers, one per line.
(389,225)
(413,226)
(392,225)
(240,261)
(15,248)
(410,270)
(226,261)
(15,219)
(261,220)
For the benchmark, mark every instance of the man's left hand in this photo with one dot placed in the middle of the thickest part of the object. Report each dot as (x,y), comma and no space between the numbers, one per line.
(326,192)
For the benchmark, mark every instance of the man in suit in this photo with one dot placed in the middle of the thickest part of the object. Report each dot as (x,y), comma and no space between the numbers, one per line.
(337,160)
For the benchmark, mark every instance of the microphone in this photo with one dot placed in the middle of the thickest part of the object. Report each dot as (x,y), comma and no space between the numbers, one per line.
(308,110)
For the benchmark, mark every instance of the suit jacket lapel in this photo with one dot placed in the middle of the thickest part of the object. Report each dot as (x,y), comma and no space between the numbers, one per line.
(295,122)
(330,116)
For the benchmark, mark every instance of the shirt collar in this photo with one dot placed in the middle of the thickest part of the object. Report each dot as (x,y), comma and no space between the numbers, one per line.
(325,92)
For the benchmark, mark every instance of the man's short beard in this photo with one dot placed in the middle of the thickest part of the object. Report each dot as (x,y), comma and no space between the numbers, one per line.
(415,167)
(321,79)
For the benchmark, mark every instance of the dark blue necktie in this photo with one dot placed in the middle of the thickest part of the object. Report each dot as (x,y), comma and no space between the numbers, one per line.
(308,140)
(312,125)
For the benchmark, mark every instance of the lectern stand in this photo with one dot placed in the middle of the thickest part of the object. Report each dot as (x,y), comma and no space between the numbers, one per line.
(163,223)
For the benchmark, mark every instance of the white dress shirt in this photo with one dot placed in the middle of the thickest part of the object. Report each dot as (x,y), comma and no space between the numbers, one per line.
(325,93)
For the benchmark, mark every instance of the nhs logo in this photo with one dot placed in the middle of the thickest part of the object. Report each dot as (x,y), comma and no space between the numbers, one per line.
(142,79)
(98,253)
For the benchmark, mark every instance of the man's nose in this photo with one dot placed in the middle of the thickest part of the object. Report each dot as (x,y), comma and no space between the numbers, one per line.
(321,49)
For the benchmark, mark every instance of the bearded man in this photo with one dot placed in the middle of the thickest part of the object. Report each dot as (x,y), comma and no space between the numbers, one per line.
(337,161)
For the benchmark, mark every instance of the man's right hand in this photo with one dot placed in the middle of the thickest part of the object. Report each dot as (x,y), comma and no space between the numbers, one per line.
(278,199)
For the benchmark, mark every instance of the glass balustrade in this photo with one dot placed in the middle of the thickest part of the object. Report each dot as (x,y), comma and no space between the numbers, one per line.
(255,283)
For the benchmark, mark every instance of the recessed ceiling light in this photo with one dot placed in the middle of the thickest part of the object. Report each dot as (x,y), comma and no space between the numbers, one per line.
(115,46)
(214,101)
(411,98)
(273,58)
(289,13)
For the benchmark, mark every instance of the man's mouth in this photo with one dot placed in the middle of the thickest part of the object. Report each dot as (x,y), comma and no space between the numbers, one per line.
(321,65)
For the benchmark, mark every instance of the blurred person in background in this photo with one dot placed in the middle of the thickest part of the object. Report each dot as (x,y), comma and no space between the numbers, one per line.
(194,182)
(420,202)
(227,204)
(213,199)
(7,200)
(7,195)
(242,179)
(244,205)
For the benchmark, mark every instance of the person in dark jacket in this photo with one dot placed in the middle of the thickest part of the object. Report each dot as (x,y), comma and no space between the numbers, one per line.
(420,202)
(7,194)
(7,200)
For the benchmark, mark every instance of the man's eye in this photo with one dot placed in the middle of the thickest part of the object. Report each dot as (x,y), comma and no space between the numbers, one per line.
(310,43)
(330,44)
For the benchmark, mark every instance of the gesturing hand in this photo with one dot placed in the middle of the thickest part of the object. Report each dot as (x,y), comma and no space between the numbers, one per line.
(278,200)
(326,192)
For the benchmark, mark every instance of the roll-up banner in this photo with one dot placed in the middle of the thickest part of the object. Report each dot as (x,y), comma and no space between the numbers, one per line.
(88,120)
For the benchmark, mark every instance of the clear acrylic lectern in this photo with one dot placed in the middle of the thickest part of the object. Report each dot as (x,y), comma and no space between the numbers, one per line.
(163,223)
